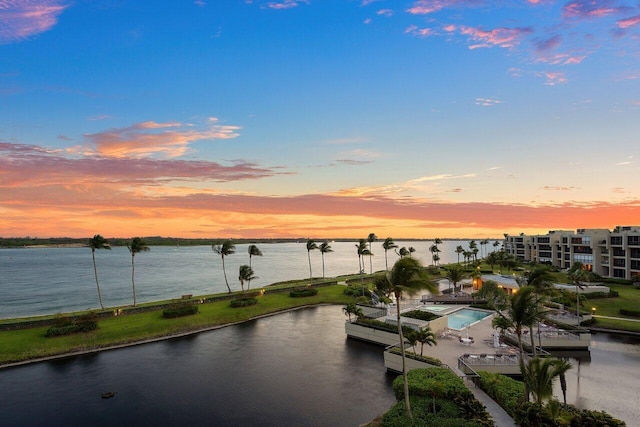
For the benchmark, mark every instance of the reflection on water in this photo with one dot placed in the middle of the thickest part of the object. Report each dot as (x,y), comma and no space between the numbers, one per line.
(607,381)
(296,368)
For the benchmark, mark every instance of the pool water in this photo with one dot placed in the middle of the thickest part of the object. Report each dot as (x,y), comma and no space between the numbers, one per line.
(465,317)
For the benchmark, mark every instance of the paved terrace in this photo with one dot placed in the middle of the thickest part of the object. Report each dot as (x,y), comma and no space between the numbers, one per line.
(449,349)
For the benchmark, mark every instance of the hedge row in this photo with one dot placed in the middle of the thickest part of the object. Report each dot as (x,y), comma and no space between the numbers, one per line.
(303,292)
(600,295)
(632,313)
(509,394)
(438,398)
(180,311)
(72,325)
(420,315)
(243,302)
(409,355)
(382,326)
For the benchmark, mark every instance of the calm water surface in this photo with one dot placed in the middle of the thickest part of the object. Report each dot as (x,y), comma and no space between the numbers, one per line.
(54,280)
(294,369)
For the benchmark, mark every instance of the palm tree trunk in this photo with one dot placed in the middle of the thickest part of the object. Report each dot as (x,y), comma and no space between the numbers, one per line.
(533,345)
(370,263)
(225,275)
(310,274)
(386,263)
(322,253)
(407,403)
(133,282)
(249,281)
(95,270)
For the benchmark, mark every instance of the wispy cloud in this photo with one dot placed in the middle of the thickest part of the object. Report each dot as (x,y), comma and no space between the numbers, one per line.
(147,139)
(554,78)
(487,102)
(501,37)
(425,7)
(582,9)
(559,188)
(629,22)
(284,4)
(419,32)
(385,12)
(22,19)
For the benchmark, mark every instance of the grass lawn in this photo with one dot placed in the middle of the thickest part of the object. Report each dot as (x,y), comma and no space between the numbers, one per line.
(31,343)
(629,299)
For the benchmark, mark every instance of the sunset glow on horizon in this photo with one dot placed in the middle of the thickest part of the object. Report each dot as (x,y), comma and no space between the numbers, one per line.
(315,118)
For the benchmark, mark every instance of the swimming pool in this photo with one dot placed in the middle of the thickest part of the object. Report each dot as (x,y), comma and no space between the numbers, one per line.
(465,317)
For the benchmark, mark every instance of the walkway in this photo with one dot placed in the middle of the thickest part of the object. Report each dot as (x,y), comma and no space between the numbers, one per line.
(500,416)
(616,318)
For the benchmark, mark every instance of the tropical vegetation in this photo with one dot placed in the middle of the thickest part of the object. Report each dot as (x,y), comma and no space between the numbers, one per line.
(95,243)
(137,245)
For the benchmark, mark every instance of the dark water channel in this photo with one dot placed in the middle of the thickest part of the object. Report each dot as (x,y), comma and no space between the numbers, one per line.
(294,369)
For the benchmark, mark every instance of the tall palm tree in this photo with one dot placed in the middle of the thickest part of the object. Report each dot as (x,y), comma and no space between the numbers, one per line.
(98,242)
(311,245)
(361,247)
(371,238)
(496,244)
(539,374)
(455,274)
(245,274)
(483,243)
(492,259)
(473,246)
(411,251)
(578,275)
(324,248)
(136,246)
(386,245)
(522,312)
(459,250)
(225,249)
(407,277)
(253,251)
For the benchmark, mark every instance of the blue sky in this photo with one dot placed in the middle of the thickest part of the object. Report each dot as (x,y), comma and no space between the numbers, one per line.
(318,118)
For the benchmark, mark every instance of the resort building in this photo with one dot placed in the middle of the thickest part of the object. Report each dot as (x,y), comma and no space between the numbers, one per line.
(607,253)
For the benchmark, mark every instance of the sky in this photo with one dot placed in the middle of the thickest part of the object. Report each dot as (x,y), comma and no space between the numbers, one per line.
(318,118)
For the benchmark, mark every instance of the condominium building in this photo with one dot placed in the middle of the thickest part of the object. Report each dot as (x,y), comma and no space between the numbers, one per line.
(609,253)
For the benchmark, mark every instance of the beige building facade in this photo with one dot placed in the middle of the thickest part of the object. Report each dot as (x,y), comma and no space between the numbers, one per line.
(608,253)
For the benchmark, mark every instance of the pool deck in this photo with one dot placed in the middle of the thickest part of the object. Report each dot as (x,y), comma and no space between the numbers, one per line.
(449,349)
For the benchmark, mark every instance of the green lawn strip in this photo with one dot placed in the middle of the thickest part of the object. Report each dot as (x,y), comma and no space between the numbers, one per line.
(28,344)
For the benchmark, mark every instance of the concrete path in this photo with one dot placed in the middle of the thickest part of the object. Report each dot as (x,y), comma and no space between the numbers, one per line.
(500,416)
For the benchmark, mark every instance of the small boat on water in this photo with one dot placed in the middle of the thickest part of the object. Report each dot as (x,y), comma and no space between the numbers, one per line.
(108,395)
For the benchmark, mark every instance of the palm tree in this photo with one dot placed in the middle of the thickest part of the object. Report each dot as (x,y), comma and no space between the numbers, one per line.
(496,244)
(407,277)
(371,238)
(226,248)
(253,251)
(311,245)
(361,247)
(245,274)
(483,243)
(473,246)
(455,274)
(437,241)
(386,245)
(578,275)
(97,242)
(492,259)
(350,309)
(324,248)
(426,336)
(411,250)
(137,246)
(539,374)
(459,250)
(522,311)
(403,252)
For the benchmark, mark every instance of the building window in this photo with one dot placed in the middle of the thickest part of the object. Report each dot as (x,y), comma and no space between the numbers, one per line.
(616,240)
(633,240)
(618,262)
(635,253)
(618,273)
(585,259)
(635,264)
(618,252)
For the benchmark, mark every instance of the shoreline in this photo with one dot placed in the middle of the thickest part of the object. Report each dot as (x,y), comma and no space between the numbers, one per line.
(150,340)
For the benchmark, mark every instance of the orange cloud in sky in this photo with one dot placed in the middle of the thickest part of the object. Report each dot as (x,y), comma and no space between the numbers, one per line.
(152,139)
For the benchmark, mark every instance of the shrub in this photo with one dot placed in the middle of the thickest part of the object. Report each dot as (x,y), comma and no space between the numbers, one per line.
(506,391)
(421,381)
(180,310)
(243,302)
(381,326)
(632,313)
(303,292)
(420,315)
(600,295)
(356,291)
(72,325)
(428,359)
